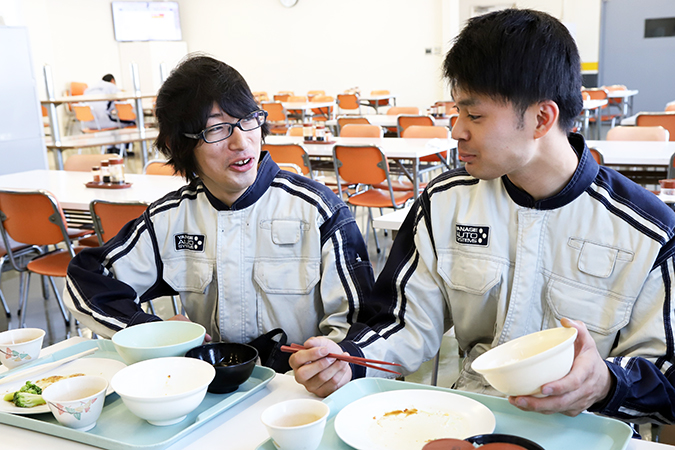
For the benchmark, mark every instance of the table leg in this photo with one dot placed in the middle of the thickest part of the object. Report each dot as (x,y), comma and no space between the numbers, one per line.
(53,116)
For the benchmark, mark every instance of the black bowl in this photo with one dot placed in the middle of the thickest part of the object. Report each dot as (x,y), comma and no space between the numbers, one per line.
(483,439)
(234,364)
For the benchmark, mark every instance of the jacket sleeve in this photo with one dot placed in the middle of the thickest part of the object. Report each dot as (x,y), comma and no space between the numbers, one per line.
(407,315)
(644,352)
(94,291)
(346,273)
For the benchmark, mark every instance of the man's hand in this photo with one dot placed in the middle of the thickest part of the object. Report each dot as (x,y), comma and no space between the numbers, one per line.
(319,374)
(588,382)
(182,318)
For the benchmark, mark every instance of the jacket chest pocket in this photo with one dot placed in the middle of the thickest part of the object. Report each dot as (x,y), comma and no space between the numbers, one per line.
(474,274)
(297,276)
(188,275)
(597,259)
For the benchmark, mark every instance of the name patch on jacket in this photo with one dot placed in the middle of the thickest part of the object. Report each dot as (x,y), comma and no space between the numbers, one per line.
(194,242)
(472,234)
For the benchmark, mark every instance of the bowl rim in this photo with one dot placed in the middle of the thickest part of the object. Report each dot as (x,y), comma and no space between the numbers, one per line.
(154,347)
(324,416)
(493,438)
(480,368)
(41,334)
(73,380)
(207,367)
(210,344)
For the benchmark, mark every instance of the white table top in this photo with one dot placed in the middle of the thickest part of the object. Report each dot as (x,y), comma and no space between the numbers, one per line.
(635,153)
(239,425)
(593,104)
(391,220)
(403,148)
(113,137)
(71,192)
(96,98)
(305,106)
(622,93)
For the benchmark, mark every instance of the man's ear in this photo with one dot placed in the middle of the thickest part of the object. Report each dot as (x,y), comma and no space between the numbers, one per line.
(547,117)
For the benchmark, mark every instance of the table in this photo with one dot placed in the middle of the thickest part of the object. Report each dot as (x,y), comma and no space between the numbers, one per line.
(400,150)
(52,102)
(104,138)
(387,121)
(391,221)
(308,106)
(365,100)
(240,425)
(626,97)
(635,153)
(592,106)
(69,189)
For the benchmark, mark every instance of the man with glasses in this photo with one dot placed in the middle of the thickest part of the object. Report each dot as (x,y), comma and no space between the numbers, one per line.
(249,248)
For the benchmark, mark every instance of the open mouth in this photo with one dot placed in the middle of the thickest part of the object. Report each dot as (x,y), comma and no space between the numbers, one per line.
(242,163)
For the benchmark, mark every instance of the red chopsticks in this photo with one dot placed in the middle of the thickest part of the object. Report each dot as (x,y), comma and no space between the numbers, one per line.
(348,358)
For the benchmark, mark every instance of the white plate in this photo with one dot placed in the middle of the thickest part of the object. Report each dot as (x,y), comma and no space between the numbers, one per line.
(381,422)
(104,367)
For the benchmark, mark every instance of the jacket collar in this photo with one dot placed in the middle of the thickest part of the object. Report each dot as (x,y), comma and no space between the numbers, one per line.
(585,173)
(267,170)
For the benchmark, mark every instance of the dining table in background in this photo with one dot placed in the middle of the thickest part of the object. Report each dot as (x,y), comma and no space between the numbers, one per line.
(237,428)
(399,150)
(102,139)
(391,120)
(305,107)
(626,96)
(374,100)
(591,109)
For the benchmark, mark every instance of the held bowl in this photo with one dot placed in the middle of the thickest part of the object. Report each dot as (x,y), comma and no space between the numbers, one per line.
(17,347)
(77,402)
(163,391)
(234,364)
(157,340)
(523,365)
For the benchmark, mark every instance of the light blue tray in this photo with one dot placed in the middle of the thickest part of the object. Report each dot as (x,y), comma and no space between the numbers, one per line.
(118,428)
(553,432)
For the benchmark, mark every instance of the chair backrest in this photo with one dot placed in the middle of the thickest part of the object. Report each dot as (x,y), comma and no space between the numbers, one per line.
(410,110)
(384,101)
(348,101)
(403,121)
(290,167)
(83,112)
(110,217)
(360,164)
(664,119)
(597,156)
(425,131)
(596,93)
(344,120)
(125,111)
(294,131)
(82,162)
(281,97)
(314,93)
(670,106)
(322,112)
(290,154)
(622,133)
(33,217)
(453,120)
(275,111)
(296,98)
(158,167)
(77,88)
(361,130)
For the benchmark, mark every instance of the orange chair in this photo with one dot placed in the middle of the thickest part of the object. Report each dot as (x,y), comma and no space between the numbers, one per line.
(36,218)
(448,105)
(312,94)
(365,166)
(428,132)
(670,106)
(361,130)
(605,115)
(290,154)
(377,103)
(653,119)
(260,96)
(322,113)
(597,156)
(281,97)
(83,114)
(348,102)
(125,111)
(403,121)
(19,251)
(452,120)
(110,217)
(410,110)
(295,130)
(290,168)
(344,120)
(159,167)
(77,88)
(276,117)
(621,133)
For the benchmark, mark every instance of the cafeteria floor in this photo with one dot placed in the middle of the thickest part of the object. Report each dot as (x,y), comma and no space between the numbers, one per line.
(45,314)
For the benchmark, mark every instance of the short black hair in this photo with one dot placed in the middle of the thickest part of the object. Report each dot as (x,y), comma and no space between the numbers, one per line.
(185,101)
(519,56)
(108,77)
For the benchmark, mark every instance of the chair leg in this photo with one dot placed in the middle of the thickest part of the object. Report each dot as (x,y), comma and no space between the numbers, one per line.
(64,312)
(4,305)
(23,300)
(385,231)
(176,305)
(372,225)
(45,287)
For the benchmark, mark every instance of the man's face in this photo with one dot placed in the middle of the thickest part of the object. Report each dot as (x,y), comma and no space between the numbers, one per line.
(492,139)
(228,167)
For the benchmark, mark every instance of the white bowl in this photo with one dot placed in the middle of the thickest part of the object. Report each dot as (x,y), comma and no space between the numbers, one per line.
(523,365)
(20,346)
(157,340)
(296,424)
(163,391)
(77,402)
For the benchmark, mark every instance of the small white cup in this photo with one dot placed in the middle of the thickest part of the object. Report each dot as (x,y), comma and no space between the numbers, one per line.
(77,402)
(17,347)
(296,424)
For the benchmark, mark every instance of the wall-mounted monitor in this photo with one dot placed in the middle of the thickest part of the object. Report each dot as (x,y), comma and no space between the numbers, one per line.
(146,21)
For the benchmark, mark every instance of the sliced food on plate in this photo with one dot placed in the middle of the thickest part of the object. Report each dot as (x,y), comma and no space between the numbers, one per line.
(30,394)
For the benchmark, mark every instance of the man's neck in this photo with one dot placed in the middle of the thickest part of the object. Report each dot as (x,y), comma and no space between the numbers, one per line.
(550,171)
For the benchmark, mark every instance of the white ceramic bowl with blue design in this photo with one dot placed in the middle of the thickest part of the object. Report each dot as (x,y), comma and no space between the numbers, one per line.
(20,346)
(77,402)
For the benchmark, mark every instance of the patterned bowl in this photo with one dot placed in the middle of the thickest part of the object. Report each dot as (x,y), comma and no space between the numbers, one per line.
(77,402)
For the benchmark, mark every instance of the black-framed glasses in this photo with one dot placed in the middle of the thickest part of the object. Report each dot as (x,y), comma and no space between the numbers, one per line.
(221,131)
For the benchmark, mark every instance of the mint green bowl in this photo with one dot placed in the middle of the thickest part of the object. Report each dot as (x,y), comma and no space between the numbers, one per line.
(157,340)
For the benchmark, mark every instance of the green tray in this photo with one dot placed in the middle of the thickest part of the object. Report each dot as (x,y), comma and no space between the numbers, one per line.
(118,428)
(553,432)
